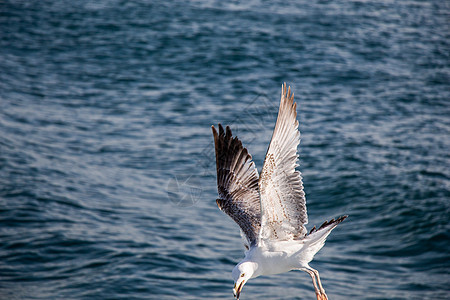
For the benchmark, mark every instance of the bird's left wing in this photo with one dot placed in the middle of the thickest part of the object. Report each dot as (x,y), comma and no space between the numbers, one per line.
(283,201)
(237,183)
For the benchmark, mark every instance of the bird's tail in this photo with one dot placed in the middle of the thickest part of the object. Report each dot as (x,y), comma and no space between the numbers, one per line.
(319,235)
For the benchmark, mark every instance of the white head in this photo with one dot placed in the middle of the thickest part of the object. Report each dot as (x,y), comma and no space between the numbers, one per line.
(241,274)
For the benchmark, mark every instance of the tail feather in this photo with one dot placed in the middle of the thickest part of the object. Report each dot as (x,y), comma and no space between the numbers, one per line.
(319,235)
(329,223)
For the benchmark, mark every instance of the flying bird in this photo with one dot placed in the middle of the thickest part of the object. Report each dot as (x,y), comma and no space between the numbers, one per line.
(270,208)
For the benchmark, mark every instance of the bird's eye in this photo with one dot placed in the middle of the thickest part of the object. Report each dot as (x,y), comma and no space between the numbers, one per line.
(243,274)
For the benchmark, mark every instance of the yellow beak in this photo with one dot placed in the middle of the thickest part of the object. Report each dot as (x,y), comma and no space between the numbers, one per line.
(237,291)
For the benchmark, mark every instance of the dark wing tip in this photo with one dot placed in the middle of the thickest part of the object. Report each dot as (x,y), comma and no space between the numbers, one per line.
(228,132)
(221,131)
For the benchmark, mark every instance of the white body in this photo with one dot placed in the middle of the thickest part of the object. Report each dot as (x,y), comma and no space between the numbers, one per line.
(277,257)
(275,261)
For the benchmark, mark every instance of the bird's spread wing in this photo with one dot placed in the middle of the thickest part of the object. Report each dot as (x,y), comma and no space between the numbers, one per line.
(237,182)
(283,203)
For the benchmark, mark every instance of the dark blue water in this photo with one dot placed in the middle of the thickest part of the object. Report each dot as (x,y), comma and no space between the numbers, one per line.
(107,179)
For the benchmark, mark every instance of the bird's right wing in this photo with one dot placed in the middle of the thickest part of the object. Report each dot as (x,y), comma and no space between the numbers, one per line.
(237,183)
(283,201)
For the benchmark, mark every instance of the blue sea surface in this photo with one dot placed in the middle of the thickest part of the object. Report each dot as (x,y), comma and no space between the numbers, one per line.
(107,169)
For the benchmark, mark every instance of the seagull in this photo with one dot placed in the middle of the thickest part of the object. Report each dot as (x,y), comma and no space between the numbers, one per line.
(270,209)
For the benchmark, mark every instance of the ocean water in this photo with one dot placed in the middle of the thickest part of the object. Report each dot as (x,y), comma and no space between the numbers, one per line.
(107,175)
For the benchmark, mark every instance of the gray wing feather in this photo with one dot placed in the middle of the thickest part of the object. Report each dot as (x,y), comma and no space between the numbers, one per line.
(237,182)
(283,201)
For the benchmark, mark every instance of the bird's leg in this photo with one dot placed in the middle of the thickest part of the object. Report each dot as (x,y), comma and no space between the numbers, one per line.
(322,290)
(313,277)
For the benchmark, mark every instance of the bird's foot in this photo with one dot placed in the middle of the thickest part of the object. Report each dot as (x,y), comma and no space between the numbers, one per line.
(321,296)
